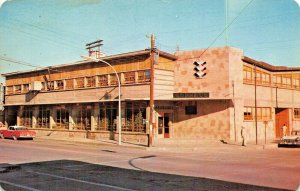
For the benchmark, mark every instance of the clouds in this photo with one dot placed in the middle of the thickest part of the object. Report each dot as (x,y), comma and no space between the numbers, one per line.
(298,2)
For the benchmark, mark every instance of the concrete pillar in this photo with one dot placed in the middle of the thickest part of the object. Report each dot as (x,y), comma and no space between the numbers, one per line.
(6,117)
(123,105)
(72,115)
(19,115)
(35,114)
(52,117)
(94,116)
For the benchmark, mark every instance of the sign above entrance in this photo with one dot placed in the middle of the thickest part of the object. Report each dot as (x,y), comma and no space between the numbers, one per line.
(191,95)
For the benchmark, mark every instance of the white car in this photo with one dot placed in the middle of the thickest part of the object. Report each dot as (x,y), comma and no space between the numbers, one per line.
(290,140)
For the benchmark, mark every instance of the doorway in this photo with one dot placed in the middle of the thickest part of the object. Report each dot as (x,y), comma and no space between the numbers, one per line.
(163,126)
(282,118)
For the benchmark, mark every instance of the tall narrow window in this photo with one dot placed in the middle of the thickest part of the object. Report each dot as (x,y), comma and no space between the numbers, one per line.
(83,117)
(296,113)
(62,118)
(43,120)
(26,119)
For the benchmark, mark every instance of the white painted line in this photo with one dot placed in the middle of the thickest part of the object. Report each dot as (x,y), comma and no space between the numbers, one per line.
(18,185)
(82,181)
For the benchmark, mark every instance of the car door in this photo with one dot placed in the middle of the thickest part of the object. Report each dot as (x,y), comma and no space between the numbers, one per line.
(10,132)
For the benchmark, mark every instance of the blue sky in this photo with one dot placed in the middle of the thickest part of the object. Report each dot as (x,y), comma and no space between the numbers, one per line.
(51,32)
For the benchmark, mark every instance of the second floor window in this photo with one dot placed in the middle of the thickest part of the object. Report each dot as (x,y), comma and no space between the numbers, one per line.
(69,84)
(103,80)
(59,84)
(113,79)
(90,81)
(129,77)
(9,90)
(18,89)
(25,88)
(79,82)
(144,76)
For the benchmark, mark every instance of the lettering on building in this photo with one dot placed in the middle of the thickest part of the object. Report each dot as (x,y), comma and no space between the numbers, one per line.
(191,95)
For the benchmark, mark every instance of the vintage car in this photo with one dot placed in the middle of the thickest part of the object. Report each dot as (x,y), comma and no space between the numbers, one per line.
(292,140)
(17,132)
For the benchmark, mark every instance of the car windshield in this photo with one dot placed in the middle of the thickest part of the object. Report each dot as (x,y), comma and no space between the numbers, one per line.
(20,128)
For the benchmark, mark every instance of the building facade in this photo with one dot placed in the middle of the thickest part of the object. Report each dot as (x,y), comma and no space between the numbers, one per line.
(80,99)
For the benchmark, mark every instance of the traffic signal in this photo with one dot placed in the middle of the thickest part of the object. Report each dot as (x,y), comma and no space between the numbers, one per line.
(200,69)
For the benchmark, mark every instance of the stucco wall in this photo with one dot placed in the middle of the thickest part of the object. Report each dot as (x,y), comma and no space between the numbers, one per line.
(216,81)
(211,121)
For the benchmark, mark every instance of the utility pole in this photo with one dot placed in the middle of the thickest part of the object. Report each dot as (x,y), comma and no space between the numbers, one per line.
(152,54)
(255,103)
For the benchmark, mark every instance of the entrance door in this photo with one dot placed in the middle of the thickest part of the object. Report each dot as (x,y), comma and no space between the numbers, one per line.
(166,126)
(163,125)
(282,117)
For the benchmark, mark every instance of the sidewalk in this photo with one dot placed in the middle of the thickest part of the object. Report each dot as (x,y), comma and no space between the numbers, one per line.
(89,141)
(169,145)
(196,145)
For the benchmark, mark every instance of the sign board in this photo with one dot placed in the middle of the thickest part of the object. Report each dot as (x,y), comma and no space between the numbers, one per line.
(191,95)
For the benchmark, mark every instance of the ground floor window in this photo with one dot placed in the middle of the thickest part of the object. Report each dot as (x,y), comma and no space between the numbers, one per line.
(296,113)
(263,113)
(43,118)
(135,117)
(26,119)
(83,117)
(107,119)
(62,118)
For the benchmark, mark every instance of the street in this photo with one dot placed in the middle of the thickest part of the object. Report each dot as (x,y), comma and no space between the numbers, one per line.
(61,165)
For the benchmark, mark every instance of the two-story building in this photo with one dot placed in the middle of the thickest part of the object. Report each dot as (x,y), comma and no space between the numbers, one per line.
(80,99)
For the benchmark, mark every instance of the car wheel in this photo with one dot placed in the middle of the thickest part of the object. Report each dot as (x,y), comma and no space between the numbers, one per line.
(15,138)
(1,136)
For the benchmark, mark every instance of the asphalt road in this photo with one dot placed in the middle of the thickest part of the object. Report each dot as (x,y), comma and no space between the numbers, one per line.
(55,165)
(74,175)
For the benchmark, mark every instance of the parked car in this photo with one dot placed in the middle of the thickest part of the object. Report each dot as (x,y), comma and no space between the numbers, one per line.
(292,140)
(17,132)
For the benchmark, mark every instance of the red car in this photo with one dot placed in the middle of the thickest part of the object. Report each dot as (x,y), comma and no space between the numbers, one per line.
(17,132)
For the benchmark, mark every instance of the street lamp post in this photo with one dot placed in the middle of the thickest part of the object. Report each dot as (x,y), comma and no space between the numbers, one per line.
(119,86)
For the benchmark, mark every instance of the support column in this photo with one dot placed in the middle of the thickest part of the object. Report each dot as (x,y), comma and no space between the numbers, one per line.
(19,115)
(35,114)
(6,117)
(71,118)
(123,105)
(52,117)
(95,114)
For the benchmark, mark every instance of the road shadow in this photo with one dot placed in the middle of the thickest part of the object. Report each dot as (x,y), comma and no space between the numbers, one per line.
(70,175)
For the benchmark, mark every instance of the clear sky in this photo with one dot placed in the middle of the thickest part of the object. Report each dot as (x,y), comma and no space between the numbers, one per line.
(51,32)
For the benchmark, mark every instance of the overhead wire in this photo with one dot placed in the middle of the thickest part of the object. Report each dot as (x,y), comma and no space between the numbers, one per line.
(160,44)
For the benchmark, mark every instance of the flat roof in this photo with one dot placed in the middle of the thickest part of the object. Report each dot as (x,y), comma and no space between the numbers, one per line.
(269,67)
(106,58)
